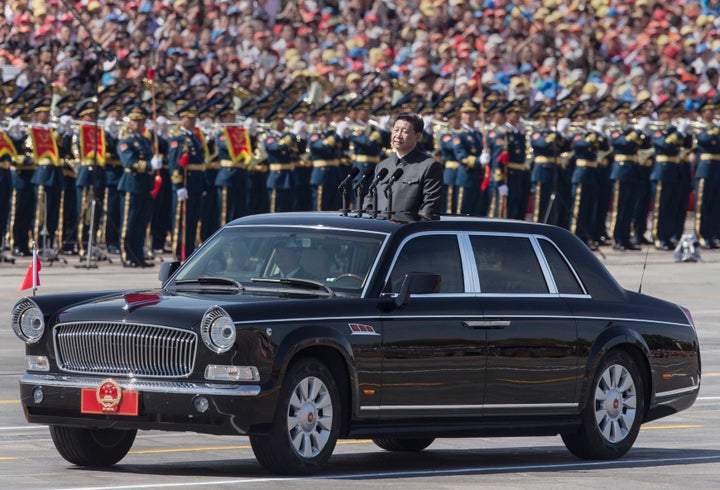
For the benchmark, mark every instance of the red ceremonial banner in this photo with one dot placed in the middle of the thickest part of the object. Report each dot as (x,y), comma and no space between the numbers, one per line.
(6,145)
(44,145)
(92,138)
(238,143)
(201,137)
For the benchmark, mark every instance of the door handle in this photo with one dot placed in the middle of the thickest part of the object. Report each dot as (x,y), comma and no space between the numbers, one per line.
(486,324)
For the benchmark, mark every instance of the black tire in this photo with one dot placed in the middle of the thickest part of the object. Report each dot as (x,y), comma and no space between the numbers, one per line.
(409,444)
(613,411)
(306,424)
(92,447)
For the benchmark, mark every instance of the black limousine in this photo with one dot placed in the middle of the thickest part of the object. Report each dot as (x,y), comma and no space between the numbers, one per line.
(300,329)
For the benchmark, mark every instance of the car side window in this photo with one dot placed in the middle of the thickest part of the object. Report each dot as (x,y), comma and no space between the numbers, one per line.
(565,280)
(507,265)
(437,254)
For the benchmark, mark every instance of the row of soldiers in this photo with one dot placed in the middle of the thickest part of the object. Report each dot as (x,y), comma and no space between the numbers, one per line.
(167,188)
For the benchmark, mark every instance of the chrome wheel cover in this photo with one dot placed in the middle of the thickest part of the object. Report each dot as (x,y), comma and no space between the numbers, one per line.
(309,417)
(615,403)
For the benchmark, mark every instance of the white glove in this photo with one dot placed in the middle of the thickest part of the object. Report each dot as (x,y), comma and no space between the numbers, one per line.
(66,123)
(600,123)
(643,123)
(427,121)
(562,124)
(484,157)
(251,126)
(300,128)
(110,126)
(683,125)
(384,123)
(182,194)
(342,129)
(503,190)
(161,123)
(15,128)
(156,162)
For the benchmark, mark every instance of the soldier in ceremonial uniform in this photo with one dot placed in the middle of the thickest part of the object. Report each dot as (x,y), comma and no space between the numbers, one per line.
(113,173)
(67,148)
(282,156)
(626,142)
(325,146)
(642,112)
(233,150)
(8,154)
(161,213)
(451,117)
(210,216)
(707,177)
(586,143)
(90,180)
(139,165)
(547,144)
(24,200)
(468,149)
(366,143)
(668,141)
(48,178)
(511,174)
(187,173)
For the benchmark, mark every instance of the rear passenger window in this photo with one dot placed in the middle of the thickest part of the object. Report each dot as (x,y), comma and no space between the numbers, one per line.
(564,278)
(507,265)
(437,254)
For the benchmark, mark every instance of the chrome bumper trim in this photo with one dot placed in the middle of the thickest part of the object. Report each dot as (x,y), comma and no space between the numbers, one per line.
(173,387)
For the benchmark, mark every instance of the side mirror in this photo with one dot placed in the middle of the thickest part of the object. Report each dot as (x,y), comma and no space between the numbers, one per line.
(417,283)
(167,269)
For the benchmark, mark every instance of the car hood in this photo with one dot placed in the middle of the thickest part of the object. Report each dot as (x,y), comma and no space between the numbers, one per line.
(159,307)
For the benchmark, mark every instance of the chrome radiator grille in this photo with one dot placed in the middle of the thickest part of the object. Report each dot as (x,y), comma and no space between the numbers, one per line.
(121,349)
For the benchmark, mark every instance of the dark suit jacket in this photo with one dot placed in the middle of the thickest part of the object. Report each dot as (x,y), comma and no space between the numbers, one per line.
(417,191)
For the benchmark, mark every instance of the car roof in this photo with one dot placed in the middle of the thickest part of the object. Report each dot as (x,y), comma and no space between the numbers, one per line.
(335,219)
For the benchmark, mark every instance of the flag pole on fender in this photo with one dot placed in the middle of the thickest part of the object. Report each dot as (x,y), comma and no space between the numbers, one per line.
(32,276)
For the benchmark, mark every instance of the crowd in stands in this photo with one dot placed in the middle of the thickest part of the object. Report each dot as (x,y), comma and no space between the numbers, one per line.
(619,47)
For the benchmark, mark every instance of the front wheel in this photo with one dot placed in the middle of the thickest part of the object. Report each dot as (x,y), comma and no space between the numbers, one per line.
(613,412)
(92,447)
(306,424)
(409,444)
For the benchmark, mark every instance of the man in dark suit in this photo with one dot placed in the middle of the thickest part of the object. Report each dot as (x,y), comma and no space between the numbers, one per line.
(413,178)
(287,259)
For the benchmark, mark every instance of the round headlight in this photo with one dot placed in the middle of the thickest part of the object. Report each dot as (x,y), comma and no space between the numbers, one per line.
(217,330)
(28,322)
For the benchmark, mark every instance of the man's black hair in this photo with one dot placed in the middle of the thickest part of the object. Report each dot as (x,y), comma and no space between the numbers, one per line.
(414,119)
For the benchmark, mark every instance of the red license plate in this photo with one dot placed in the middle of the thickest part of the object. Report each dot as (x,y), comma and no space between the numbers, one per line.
(126,405)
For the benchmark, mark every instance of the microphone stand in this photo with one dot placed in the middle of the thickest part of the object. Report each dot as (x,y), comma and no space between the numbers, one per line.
(374,212)
(389,196)
(344,191)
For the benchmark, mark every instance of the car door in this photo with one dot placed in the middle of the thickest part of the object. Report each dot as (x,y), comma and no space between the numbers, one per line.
(433,364)
(532,360)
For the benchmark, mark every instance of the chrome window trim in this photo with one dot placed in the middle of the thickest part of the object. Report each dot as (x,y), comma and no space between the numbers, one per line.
(569,264)
(373,267)
(466,282)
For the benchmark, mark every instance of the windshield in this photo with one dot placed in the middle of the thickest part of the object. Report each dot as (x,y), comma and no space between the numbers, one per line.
(339,259)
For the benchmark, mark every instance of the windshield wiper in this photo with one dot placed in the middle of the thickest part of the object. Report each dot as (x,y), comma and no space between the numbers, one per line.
(294,281)
(222,284)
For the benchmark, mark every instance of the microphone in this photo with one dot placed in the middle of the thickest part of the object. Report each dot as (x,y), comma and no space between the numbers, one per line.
(393,178)
(381,175)
(353,172)
(366,175)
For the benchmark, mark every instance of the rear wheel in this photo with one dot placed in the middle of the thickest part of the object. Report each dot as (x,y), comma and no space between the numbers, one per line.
(613,411)
(410,444)
(92,447)
(306,424)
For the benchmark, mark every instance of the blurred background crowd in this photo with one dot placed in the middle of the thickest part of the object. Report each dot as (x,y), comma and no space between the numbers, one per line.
(619,47)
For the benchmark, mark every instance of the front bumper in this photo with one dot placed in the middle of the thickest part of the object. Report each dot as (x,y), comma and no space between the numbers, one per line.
(163,405)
